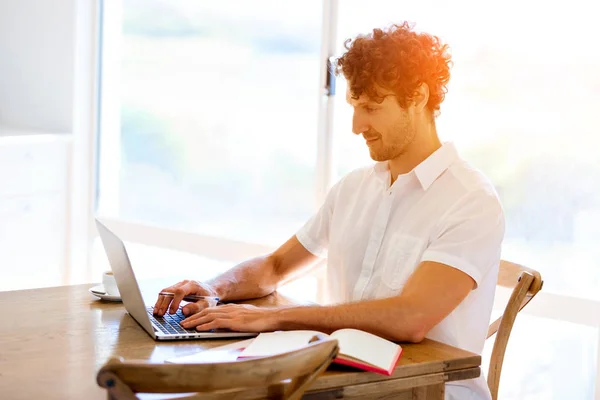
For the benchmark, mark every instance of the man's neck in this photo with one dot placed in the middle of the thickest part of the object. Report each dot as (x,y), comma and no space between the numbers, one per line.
(422,147)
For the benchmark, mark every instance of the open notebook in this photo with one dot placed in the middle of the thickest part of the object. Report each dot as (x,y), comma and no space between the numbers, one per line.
(357,349)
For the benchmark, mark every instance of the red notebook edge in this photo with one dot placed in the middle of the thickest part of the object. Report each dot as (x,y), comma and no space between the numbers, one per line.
(370,368)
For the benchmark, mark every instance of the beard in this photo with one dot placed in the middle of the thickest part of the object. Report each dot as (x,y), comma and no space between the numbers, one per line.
(392,145)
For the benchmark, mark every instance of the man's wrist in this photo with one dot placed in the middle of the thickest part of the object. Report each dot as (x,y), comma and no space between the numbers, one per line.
(294,317)
(215,290)
(281,318)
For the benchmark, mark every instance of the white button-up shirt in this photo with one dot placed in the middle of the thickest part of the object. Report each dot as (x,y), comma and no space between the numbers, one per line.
(375,235)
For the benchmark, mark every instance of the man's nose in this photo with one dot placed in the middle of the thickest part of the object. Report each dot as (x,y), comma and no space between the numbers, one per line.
(358,125)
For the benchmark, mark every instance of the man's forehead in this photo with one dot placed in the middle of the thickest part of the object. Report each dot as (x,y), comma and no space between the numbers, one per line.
(364,98)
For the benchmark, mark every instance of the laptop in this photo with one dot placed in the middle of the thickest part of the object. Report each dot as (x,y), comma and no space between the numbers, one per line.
(159,328)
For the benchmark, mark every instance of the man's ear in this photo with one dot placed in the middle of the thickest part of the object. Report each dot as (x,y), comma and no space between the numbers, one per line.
(421,96)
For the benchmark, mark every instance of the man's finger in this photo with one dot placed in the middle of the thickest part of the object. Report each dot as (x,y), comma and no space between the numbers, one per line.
(162,304)
(215,324)
(160,300)
(180,293)
(202,318)
(160,308)
(157,304)
(193,308)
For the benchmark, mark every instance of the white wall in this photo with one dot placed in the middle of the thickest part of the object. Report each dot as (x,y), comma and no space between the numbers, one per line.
(48,58)
(37,64)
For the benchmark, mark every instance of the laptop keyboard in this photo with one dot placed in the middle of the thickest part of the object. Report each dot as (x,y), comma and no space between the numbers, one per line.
(169,323)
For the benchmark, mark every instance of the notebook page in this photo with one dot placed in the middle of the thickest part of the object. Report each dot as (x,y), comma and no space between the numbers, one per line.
(366,347)
(226,353)
(271,343)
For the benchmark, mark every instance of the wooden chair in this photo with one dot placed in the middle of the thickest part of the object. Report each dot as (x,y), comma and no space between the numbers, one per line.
(123,379)
(525,284)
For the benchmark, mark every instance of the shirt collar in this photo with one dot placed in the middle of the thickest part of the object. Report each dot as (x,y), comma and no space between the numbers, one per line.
(436,164)
(429,169)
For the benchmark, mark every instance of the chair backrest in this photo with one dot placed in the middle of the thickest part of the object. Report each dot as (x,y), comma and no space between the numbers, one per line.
(123,379)
(525,284)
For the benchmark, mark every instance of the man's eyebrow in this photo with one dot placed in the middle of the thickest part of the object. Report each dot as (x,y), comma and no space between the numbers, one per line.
(370,102)
(374,102)
(362,102)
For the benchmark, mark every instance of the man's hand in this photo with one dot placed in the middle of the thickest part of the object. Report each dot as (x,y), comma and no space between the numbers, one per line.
(237,317)
(180,290)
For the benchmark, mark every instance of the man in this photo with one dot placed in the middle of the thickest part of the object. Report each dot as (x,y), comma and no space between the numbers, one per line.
(412,243)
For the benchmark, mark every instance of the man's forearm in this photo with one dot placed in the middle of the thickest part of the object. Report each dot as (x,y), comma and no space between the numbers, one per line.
(251,279)
(388,318)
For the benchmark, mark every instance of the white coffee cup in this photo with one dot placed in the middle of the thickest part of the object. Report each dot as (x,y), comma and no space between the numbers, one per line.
(109,283)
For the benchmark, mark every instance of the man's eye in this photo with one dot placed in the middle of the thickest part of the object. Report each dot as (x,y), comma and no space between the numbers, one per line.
(370,109)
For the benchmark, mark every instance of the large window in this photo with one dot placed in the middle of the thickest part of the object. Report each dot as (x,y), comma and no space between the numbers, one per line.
(218,134)
(217,106)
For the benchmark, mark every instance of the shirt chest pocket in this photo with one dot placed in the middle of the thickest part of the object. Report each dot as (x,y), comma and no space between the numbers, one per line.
(403,257)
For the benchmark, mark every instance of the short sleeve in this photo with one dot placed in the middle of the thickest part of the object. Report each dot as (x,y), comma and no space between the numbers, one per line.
(469,237)
(314,235)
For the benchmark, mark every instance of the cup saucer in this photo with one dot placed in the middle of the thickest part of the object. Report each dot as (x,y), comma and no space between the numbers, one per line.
(99,292)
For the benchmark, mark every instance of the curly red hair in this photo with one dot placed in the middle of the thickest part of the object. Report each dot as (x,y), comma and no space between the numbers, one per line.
(398,59)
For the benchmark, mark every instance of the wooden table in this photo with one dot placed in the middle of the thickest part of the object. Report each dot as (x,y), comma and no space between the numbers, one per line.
(54,340)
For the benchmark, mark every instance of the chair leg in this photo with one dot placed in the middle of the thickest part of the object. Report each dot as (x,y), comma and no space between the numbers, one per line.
(506,325)
(298,386)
